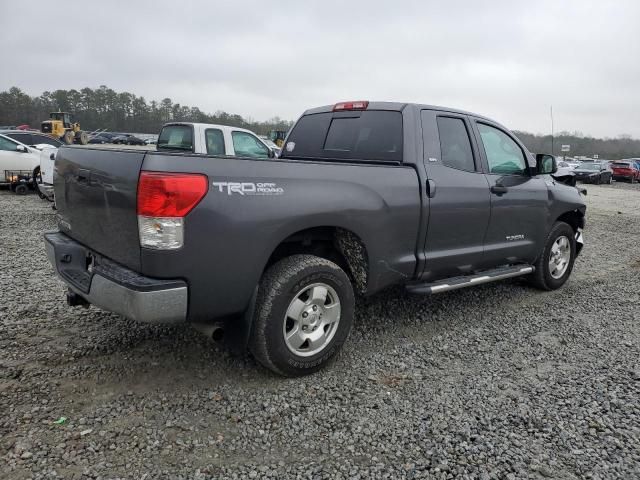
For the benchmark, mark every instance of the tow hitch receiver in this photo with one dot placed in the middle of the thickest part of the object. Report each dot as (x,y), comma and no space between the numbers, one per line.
(75,300)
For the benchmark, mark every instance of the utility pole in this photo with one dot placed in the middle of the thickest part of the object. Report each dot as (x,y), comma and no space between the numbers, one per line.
(551,129)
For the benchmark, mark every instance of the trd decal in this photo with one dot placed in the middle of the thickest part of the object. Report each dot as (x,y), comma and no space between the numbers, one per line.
(248,188)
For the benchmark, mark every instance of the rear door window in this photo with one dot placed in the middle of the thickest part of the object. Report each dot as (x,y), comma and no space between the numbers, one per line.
(455,146)
(247,145)
(215,141)
(366,135)
(176,137)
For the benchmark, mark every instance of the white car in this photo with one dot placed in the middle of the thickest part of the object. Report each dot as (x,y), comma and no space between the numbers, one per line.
(30,152)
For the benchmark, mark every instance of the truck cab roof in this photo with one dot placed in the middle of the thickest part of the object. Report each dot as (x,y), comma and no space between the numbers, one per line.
(398,107)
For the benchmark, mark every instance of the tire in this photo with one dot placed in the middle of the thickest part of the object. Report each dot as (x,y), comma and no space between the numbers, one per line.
(82,138)
(68,137)
(543,277)
(21,189)
(288,286)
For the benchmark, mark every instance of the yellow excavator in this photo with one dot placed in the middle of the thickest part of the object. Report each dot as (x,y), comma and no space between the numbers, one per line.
(61,125)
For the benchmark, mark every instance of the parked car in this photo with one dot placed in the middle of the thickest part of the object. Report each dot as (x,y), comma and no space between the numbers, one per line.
(365,195)
(109,135)
(593,172)
(627,170)
(133,140)
(120,139)
(211,139)
(33,139)
(151,141)
(565,174)
(99,139)
(573,163)
(18,156)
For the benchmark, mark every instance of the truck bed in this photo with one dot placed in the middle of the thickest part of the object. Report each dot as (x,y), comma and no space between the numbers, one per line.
(251,207)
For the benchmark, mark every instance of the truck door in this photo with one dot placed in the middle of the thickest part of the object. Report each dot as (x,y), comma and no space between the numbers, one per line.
(458,196)
(519,201)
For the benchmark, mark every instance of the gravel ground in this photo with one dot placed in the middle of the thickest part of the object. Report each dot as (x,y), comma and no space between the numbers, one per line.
(499,381)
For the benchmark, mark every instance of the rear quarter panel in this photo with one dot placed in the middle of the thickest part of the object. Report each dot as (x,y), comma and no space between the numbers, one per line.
(230,236)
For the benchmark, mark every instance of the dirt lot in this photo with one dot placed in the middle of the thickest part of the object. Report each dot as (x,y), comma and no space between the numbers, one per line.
(500,381)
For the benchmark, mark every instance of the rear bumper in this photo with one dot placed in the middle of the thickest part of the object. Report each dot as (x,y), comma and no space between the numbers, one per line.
(113,287)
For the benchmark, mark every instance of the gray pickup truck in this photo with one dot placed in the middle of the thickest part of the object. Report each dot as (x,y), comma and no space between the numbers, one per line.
(274,250)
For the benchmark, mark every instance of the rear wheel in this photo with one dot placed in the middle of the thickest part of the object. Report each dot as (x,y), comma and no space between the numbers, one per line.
(304,312)
(82,138)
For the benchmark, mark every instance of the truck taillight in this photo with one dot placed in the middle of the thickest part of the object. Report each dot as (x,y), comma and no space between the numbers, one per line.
(164,199)
(357,105)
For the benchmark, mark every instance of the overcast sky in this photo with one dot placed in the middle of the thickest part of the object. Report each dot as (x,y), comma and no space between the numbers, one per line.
(509,60)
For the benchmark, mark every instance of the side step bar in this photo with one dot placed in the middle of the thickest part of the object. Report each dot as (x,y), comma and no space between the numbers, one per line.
(469,280)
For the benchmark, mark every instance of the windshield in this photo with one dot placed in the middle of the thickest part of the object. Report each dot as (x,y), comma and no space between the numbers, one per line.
(176,137)
(621,165)
(589,166)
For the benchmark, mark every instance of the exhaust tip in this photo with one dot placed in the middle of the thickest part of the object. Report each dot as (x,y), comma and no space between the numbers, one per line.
(214,331)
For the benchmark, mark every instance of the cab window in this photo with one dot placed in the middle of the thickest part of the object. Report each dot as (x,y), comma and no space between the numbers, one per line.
(504,155)
(215,141)
(246,145)
(176,137)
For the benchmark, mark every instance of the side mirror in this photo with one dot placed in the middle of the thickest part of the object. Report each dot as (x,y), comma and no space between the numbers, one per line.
(546,164)
(271,154)
(22,149)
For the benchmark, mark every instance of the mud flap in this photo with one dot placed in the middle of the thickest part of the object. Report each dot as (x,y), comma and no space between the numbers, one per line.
(579,241)
(238,330)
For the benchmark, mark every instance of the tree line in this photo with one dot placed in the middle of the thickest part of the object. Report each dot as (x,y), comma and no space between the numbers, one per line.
(580,145)
(104,108)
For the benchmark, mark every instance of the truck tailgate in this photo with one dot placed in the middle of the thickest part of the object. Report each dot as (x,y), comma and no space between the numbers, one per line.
(95,191)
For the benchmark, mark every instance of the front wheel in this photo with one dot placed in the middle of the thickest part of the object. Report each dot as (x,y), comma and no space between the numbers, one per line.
(68,137)
(555,264)
(303,315)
